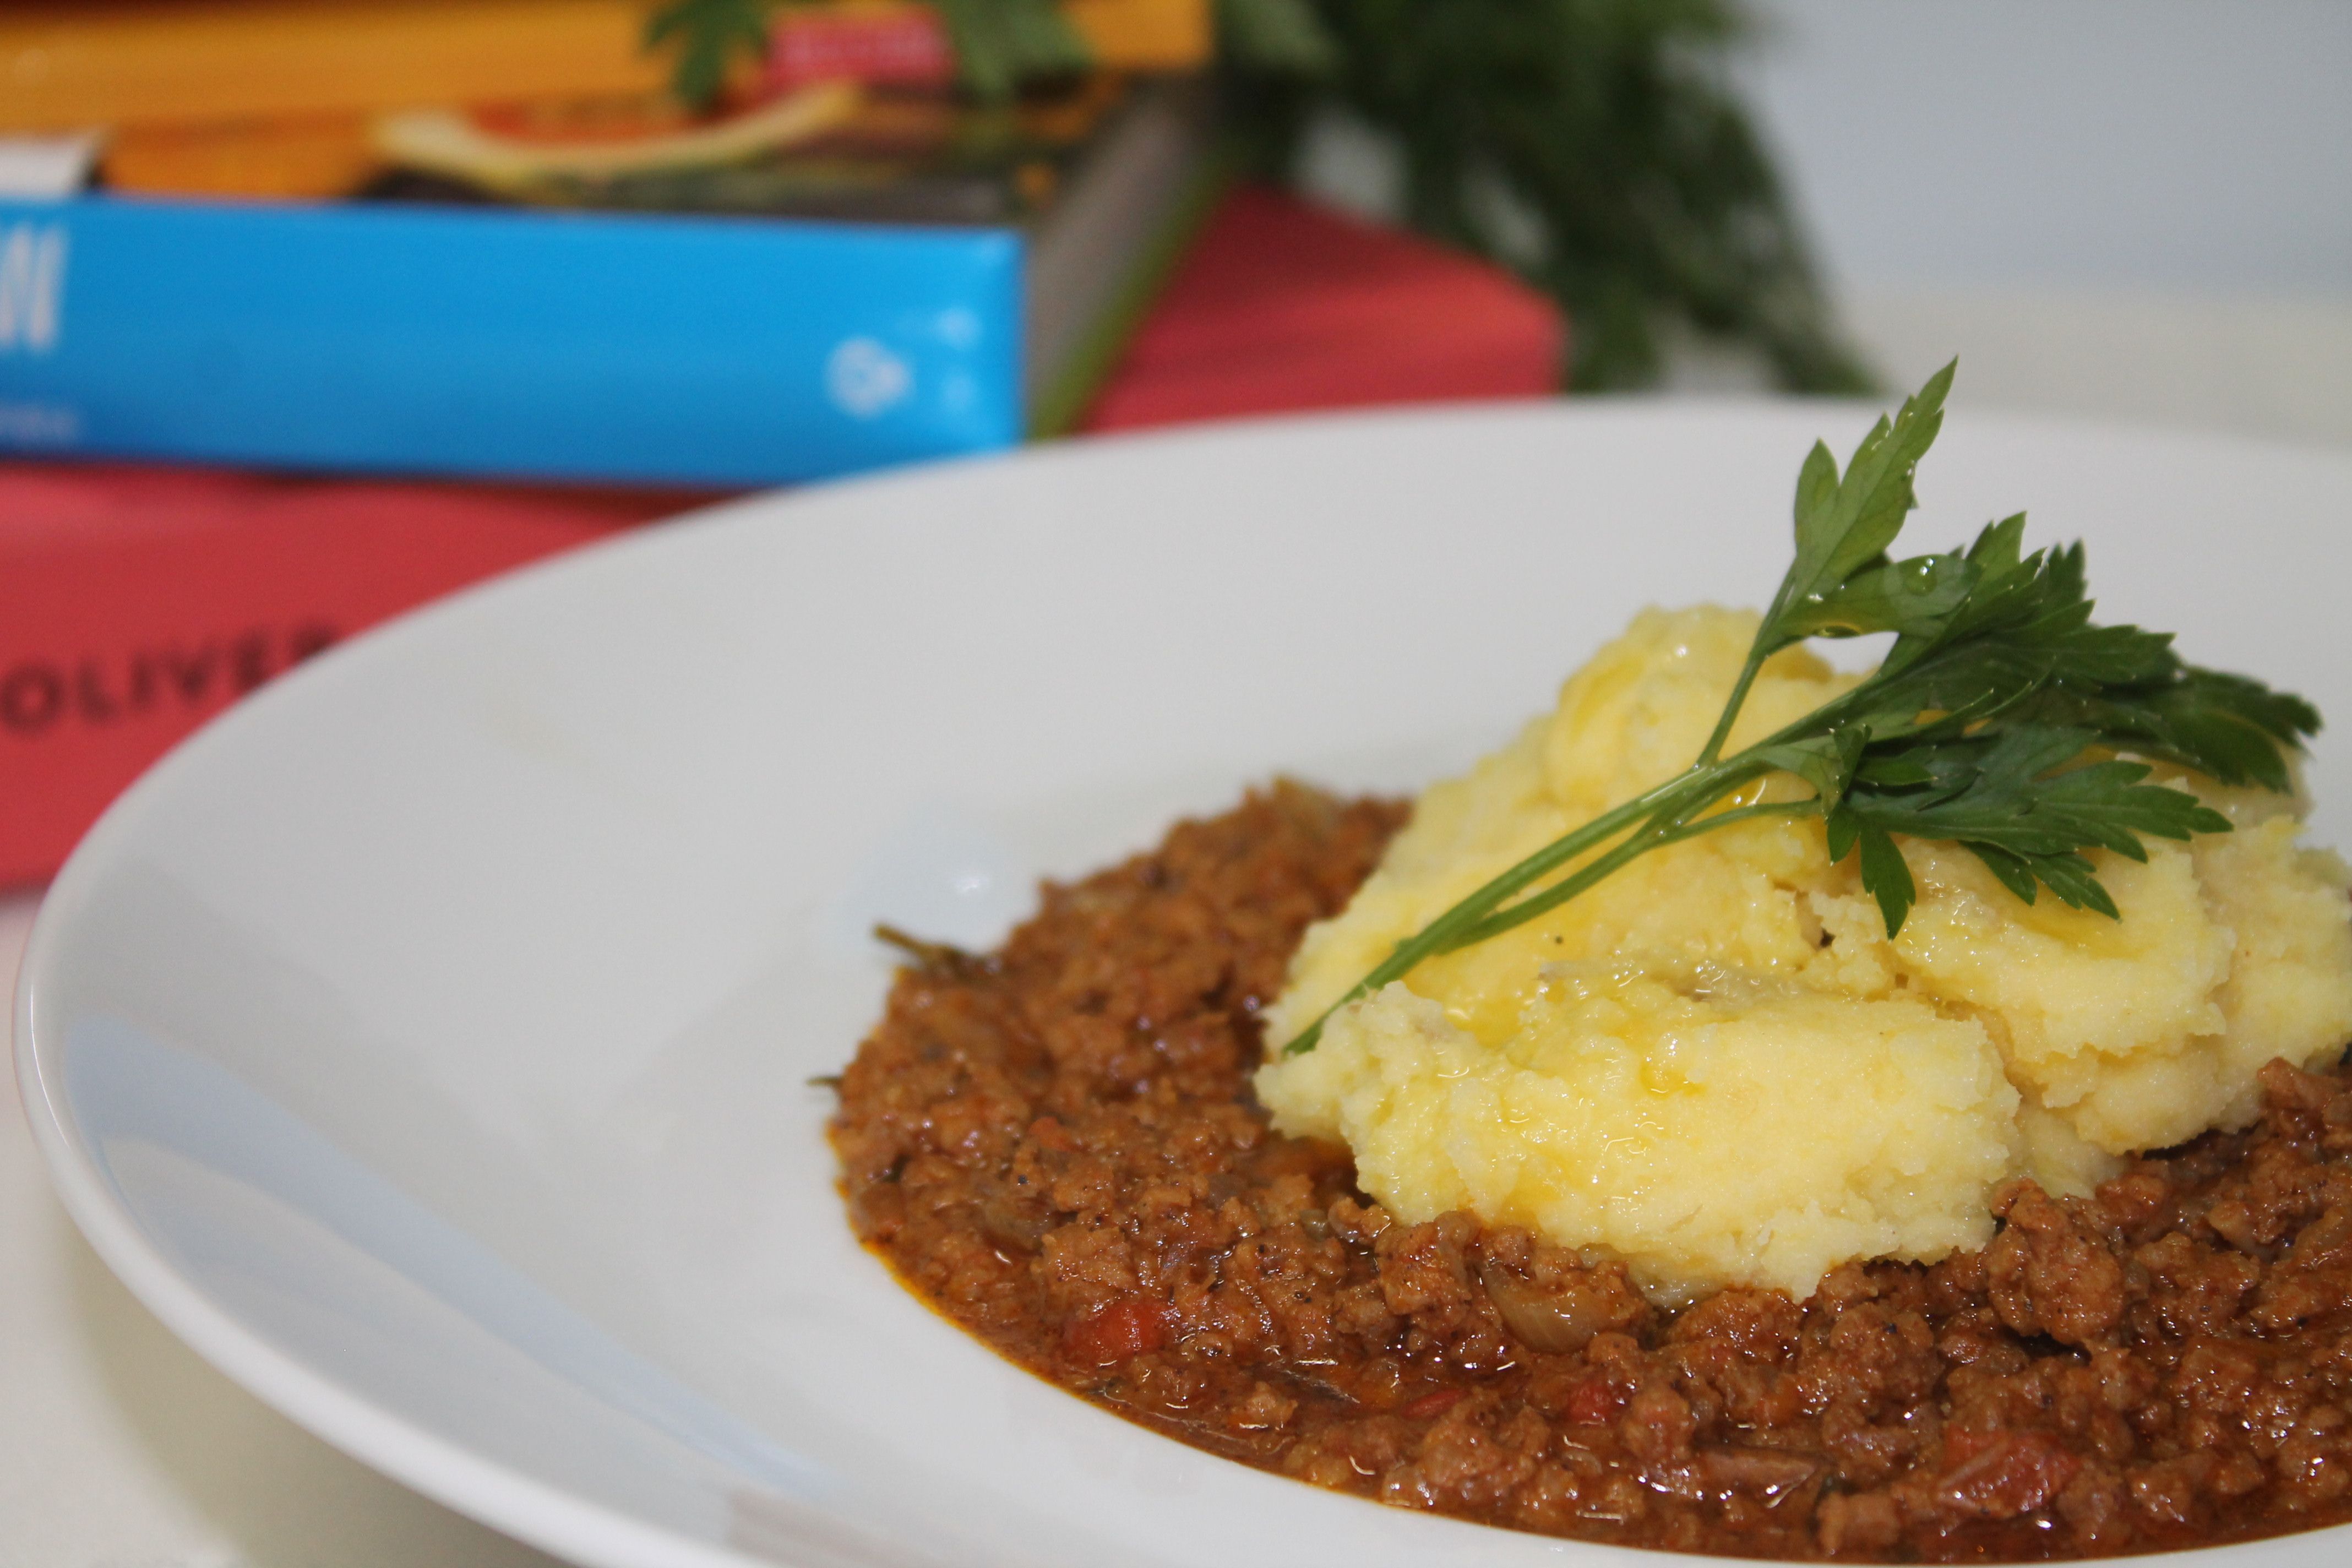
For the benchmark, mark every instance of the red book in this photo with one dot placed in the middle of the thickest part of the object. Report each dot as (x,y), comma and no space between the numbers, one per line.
(1283,305)
(137,603)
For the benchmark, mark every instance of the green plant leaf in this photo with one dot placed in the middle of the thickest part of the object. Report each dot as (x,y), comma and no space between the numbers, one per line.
(1886,877)
(1844,528)
(1826,762)
(1913,597)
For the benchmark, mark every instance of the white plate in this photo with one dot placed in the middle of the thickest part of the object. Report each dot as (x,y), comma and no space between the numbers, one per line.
(425,1042)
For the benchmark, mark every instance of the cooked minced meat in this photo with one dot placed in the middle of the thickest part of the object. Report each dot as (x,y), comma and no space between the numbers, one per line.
(1056,1145)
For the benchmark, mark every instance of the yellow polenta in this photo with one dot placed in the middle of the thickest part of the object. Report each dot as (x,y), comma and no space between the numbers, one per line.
(1715,1065)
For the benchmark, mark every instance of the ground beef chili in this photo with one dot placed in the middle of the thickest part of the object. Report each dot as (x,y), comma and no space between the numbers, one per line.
(1056,1144)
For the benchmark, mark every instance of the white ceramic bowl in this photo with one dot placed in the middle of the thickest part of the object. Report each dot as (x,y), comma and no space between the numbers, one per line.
(427,1042)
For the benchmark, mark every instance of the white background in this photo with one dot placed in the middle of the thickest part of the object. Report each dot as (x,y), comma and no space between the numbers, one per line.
(2134,209)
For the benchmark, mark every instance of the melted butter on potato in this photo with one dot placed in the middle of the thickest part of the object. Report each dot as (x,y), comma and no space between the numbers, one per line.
(1715,1066)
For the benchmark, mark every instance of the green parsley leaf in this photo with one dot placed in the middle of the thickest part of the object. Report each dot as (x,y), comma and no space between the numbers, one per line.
(2021,800)
(1845,523)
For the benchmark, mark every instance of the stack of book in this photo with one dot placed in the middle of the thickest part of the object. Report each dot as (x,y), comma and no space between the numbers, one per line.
(439,241)
(482,237)
(136,603)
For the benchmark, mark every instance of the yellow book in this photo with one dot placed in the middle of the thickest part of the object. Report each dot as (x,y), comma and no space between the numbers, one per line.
(72,67)
(286,157)
(140,64)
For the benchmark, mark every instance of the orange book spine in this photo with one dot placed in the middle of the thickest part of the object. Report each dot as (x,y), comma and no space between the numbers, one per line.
(71,67)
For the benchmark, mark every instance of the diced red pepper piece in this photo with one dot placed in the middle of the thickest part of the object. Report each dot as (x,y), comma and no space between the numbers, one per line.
(1592,1403)
(1429,1406)
(1128,1327)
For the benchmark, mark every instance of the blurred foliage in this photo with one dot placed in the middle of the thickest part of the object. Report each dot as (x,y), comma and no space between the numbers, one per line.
(708,36)
(1283,38)
(1001,44)
(1591,145)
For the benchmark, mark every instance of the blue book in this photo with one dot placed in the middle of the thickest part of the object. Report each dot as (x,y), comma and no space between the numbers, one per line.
(568,345)
(612,346)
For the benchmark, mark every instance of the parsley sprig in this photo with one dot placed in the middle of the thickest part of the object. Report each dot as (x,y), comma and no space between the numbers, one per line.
(2003,719)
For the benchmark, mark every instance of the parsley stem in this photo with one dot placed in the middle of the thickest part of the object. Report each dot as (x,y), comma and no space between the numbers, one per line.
(1559,893)
(1671,808)
(1669,824)
(1713,747)
(1808,807)
(1435,937)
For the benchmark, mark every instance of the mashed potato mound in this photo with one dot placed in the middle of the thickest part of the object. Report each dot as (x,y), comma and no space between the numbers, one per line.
(1715,1066)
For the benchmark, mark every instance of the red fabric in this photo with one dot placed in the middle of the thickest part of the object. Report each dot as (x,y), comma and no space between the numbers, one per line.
(1283,305)
(136,603)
